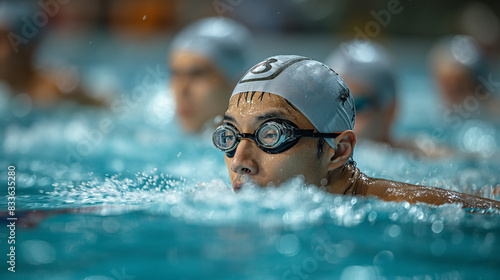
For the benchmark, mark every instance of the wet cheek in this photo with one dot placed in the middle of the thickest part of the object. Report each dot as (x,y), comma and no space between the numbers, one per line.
(280,168)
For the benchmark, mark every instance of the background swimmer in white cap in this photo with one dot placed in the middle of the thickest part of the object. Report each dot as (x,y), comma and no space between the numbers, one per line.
(367,69)
(365,66)
(461,72)
(293,116)
(206,59)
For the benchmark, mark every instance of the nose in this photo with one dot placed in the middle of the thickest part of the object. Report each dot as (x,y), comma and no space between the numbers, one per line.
(181,85)
(244,161)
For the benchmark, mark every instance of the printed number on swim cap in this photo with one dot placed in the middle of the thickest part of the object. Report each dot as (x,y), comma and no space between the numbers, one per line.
(267,66)
(269,69)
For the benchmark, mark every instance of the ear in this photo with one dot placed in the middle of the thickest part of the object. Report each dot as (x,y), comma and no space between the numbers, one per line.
(340,154)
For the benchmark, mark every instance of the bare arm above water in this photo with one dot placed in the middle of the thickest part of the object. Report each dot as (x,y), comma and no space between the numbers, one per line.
(399,192)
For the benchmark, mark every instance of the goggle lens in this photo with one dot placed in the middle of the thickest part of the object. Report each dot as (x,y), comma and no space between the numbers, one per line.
(269,135)
(224,138)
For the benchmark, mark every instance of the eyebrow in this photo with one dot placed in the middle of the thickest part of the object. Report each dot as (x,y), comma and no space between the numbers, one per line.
(271,115)
(264,117)
(229,118)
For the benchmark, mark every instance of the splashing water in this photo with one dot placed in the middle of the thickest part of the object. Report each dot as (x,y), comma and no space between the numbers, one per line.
(143,199)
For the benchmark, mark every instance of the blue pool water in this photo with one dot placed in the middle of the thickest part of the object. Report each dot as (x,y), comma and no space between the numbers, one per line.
(122,194)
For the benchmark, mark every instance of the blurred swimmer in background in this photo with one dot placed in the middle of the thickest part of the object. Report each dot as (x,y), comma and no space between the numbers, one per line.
(206,60)
(465,84)
(365,66)
(481,22)
(367,69)
(19,74)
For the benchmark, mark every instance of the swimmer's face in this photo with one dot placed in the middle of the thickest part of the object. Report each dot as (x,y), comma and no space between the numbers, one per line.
(200,90)
(455,83)
(371,120)
(252,164)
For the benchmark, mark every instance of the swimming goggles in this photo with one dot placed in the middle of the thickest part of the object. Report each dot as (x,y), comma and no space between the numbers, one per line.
(272,137)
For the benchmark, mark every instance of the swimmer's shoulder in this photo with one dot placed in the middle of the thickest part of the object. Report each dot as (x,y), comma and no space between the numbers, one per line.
(399,192)
(384,189)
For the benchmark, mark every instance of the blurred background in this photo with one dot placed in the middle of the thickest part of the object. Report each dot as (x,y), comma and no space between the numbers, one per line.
(103,50)
(107,45)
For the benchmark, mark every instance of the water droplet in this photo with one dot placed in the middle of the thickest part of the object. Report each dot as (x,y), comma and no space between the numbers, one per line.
(323,182)
(288,245)
(437,227)
(175,211)
(383,258)
(358,272)
(393,231)
(38,252)
(372,216)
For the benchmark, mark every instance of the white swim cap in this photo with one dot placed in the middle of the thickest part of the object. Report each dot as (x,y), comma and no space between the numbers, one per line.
(460,50)
(311,86)
(367,63)
(221,40)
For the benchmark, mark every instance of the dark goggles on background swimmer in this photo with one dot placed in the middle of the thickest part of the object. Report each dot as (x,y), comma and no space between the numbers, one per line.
(272,137)
(365,103)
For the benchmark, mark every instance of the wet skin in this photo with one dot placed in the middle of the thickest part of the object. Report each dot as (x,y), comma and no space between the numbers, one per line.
(329,170)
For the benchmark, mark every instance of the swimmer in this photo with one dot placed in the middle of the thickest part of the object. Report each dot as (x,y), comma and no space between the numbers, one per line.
(365,67)
(206,60)
(44,87)
(293,116)
(460,69)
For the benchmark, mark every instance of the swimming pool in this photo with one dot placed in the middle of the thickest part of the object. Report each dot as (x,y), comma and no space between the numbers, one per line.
(124,195)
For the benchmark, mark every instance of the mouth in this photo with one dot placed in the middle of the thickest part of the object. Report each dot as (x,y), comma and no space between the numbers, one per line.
(237,186)
(240,181)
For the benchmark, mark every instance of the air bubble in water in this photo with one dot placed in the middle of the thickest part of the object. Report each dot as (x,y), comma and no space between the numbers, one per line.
(358,272)
(38,252)
(288,245)
(393,231)
(437,227)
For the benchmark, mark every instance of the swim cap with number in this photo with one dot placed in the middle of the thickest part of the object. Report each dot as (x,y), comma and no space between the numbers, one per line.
(311,86)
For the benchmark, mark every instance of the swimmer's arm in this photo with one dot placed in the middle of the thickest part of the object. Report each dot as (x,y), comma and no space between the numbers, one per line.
(399,192)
